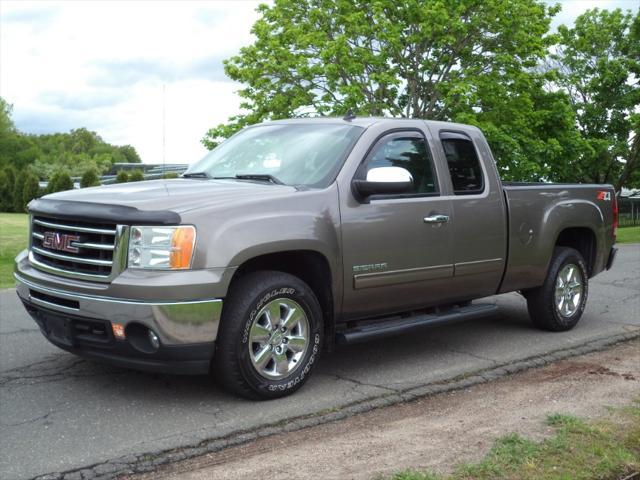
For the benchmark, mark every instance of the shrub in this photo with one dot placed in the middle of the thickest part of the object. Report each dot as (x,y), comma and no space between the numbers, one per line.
(59,182)
(30,190)
(136,176)
(89,179)
(18,187)
(8,190)
(170,175)
(122,177)
(5,193)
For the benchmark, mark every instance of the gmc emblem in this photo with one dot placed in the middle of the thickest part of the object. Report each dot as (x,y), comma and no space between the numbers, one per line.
(60,241)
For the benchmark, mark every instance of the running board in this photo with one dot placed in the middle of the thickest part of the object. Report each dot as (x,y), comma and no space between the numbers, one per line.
(398,326)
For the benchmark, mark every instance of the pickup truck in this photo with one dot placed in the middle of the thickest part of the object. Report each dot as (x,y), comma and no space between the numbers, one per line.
(294,236)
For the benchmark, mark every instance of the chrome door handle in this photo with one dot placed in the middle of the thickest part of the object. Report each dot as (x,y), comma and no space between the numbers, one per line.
(436,219)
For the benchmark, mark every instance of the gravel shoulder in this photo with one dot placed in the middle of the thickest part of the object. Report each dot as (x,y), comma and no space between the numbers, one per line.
(435,432)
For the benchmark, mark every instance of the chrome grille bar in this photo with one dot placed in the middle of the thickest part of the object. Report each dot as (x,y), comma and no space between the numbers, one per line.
(100,231)
(69,258)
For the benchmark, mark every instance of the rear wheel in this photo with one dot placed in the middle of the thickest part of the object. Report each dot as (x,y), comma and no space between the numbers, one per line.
(559,303)
(270,335)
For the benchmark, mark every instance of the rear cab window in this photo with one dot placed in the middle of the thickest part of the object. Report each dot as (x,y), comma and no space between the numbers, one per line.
(463,163)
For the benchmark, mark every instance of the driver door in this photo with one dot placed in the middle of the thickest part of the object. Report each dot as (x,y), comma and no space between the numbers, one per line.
(397,248)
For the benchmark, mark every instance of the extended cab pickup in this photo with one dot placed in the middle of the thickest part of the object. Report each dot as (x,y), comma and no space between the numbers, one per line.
(299,234)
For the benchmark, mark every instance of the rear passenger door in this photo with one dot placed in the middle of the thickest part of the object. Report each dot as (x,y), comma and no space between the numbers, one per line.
(479,216)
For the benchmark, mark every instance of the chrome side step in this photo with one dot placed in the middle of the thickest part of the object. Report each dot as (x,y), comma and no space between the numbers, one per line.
(398,325)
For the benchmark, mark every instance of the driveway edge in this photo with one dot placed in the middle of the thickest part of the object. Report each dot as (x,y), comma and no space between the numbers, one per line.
(147,462)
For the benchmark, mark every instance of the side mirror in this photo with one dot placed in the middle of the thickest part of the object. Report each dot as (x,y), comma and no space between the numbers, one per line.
(384,180)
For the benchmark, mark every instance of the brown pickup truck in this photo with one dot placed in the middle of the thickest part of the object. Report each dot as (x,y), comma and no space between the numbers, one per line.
(296,235)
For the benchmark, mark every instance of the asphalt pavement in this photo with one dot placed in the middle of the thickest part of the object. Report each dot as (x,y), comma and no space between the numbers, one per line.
(60,413)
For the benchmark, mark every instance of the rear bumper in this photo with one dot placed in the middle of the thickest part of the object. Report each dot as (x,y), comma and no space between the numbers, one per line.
(612,257)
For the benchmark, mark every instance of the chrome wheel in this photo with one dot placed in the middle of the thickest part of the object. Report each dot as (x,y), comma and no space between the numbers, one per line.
(278,338)
(569,290)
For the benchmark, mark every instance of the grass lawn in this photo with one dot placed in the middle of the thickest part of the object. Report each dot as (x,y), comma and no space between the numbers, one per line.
(606,449)
(13,239)
(628,235)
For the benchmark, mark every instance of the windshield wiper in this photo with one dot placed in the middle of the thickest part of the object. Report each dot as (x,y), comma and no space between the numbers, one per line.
(259,176)
(195,175)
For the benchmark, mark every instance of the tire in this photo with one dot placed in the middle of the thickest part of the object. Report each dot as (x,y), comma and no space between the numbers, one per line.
(254,357)
(562,312)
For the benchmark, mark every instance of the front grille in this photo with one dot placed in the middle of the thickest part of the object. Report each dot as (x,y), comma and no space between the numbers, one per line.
(72,248)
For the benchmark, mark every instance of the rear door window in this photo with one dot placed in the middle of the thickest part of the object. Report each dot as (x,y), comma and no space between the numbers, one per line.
(463,162)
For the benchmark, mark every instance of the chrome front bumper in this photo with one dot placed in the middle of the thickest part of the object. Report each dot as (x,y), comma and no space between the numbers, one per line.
(176,323)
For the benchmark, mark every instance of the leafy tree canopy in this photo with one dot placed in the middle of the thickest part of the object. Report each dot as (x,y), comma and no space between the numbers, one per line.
(598,64)
(76,152)
(473,61)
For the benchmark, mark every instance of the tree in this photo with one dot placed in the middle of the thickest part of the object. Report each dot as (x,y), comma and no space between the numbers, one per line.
(130,154)
(59,182)
(10,176)
(31,189)
(598,64)
(89,179)
(413,58)
(122,177)
(136,176)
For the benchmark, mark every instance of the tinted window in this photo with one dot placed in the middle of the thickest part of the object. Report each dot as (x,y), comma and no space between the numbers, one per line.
(464,165)
(409,153)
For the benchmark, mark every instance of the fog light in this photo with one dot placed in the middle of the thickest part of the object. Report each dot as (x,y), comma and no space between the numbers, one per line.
(118,331)
(153,338)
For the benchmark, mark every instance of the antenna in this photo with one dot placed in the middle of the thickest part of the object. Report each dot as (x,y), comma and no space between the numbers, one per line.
(164,127)
(349,116)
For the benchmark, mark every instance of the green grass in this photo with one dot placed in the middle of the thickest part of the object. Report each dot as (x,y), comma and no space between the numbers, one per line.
(13,239)
(628,235)
(579,450)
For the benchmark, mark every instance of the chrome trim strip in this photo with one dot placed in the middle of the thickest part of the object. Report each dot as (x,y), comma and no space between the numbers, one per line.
(101,231)
(395,277)
(88,261)
(83,296)
(478,266)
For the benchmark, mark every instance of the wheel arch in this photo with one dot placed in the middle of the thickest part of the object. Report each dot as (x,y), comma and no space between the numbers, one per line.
(582,239)
(310,266)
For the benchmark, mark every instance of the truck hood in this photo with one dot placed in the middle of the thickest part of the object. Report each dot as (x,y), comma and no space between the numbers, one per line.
(156,196)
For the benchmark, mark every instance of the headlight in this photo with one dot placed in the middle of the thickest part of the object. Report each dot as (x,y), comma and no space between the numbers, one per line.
(162,248)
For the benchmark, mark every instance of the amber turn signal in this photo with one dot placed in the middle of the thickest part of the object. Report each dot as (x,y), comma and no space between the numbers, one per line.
(182,243)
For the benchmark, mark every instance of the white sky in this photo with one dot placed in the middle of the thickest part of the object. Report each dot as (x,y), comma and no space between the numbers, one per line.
(103,64)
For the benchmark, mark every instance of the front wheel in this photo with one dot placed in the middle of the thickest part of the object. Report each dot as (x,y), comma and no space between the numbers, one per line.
(559,303)
(270,335)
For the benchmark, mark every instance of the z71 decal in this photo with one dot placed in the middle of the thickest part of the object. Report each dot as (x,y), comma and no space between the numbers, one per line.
(604,195)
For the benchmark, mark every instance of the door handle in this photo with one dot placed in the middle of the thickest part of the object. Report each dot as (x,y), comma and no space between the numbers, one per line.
(436,219)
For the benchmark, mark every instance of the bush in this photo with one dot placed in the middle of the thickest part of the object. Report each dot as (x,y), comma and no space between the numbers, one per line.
(122,177)
(30,190)
(170,175)
(136,176)
(59,182)
(5,193)
(89,179)
(18,187)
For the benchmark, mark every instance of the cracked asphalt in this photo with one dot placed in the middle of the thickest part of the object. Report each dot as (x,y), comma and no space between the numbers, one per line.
(59,413)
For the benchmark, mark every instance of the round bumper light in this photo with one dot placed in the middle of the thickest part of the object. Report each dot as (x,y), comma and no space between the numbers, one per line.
(154,340)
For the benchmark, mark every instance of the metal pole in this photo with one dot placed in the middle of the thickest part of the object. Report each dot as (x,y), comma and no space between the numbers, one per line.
(164,123)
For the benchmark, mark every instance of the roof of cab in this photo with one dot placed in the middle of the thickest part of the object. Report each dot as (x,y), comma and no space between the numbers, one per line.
(366,122)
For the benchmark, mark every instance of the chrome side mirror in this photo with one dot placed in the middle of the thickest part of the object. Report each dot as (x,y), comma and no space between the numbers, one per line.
(384,181)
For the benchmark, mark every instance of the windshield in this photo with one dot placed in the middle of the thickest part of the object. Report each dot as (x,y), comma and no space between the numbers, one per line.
(293,154)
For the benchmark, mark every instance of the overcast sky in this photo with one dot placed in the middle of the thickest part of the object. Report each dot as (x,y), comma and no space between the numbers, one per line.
(102,65)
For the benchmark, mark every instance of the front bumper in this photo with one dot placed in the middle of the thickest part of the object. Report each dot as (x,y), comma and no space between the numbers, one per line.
(83,322)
